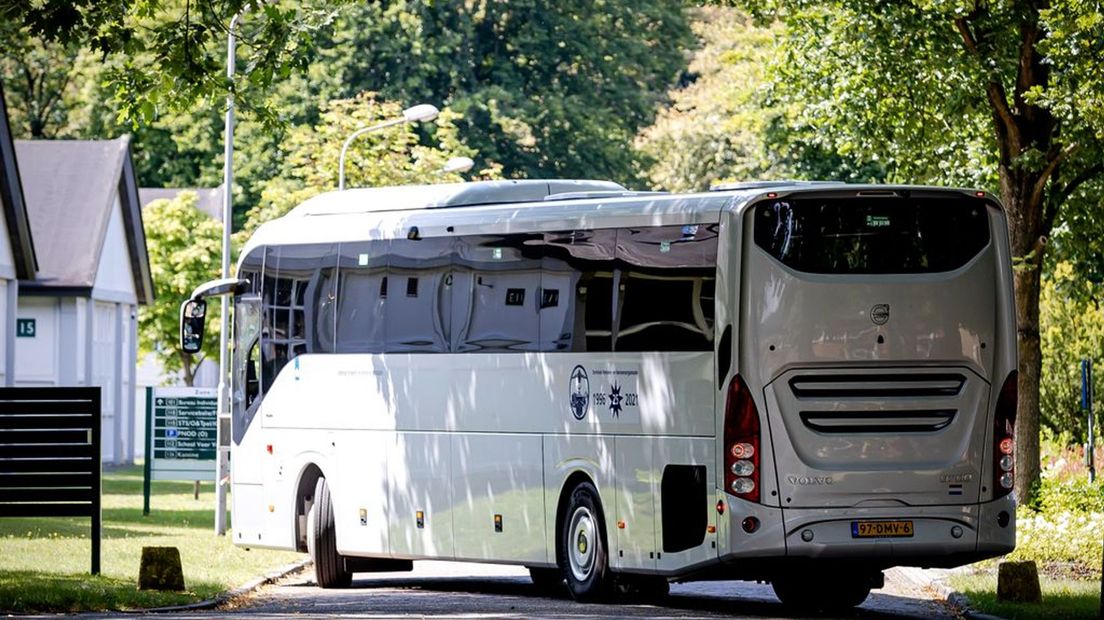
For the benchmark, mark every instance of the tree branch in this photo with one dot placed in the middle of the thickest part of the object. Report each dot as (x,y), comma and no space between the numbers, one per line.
(1048,171)
(998,98)
(1058,197)
(1085,176)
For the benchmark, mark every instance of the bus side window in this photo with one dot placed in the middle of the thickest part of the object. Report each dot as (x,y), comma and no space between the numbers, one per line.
(418,311)
(496,293)
(577,291)
(666,288)
(361,297)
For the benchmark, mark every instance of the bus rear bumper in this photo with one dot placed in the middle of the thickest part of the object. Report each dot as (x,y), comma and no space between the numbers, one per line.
(940,535)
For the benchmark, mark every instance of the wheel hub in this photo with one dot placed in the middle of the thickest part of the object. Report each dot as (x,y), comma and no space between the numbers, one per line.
(582,530)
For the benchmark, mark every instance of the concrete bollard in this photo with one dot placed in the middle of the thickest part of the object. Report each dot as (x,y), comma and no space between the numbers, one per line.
(1018,582)
(160,569)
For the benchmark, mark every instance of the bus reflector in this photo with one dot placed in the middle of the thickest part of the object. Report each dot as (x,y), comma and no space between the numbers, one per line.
(1004,476)
(741,439)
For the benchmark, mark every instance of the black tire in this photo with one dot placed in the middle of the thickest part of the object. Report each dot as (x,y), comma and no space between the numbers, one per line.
(547,580)
(808,593)
(329,566)
(582,544)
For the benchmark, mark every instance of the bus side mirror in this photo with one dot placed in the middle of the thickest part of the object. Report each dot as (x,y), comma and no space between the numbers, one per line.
(192,315)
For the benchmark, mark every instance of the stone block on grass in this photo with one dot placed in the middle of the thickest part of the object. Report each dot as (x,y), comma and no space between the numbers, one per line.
(160,569)
(1018,582)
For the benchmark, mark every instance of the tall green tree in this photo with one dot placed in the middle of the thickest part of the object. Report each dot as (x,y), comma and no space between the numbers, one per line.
(184,246)
(169,54)
(395,155)
(546,89)
(1004,94)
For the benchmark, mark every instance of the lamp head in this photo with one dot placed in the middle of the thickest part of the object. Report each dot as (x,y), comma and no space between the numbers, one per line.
(420,113)
(458,164)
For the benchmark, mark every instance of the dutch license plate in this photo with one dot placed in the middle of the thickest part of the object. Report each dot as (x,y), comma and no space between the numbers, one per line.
(881,529)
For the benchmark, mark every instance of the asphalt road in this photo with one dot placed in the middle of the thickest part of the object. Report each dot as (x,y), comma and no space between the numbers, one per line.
(451,590)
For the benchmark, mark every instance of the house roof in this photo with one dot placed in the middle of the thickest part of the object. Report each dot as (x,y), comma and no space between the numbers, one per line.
(70,188)
(209,199)
(11,198)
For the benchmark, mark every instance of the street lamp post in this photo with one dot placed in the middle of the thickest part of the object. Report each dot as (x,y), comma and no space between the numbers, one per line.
(416,114)
(222,453)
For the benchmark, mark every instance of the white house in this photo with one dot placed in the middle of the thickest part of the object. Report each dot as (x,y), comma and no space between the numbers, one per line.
(17,255)
(93,271)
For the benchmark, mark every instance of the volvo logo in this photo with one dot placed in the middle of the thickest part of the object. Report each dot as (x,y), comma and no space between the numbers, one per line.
(806,481)
(879,314)
(580,392)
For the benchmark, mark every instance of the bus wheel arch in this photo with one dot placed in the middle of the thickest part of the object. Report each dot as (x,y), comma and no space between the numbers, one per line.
(579,496)
(573,480)
(304,499)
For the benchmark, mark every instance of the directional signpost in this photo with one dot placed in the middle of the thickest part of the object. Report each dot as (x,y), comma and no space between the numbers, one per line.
(180,435)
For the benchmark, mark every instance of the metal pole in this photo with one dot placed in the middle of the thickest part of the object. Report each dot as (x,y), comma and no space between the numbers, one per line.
(147,468)
(349,140)
(222,460)
(1087,405)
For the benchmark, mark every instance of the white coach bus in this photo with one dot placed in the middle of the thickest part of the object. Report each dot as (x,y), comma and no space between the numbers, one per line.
(804,383)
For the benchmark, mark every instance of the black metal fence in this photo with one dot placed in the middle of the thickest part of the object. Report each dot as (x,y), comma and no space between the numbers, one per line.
(50,455)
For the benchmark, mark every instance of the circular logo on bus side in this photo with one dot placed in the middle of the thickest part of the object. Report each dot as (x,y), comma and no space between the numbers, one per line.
(879,314)
(580,392)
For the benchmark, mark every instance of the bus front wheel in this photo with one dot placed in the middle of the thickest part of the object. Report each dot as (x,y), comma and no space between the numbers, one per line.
(583,546)
(329,566)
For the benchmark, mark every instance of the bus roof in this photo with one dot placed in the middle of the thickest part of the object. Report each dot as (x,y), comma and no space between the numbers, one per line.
(443,195)
(499,207)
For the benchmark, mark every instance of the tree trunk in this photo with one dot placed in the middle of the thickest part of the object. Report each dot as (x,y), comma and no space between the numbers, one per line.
(1031,364)
(187,370)
(1025,227)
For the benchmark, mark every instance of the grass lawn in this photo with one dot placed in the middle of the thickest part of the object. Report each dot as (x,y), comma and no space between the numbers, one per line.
(44,562)
(1062,598)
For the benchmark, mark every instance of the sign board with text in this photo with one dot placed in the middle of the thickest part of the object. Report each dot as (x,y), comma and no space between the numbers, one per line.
(181,433)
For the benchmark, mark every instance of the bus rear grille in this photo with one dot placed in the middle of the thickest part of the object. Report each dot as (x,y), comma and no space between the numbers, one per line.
(832,386)
(897,421)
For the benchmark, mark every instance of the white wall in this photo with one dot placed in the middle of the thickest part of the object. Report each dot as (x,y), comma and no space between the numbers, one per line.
(8,286)
(114,279)
(38,356)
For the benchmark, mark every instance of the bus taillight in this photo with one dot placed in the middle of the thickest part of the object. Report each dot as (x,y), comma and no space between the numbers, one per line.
(1004,472)
(741,442)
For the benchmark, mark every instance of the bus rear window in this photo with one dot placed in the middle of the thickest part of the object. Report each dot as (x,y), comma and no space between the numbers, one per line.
(871,235)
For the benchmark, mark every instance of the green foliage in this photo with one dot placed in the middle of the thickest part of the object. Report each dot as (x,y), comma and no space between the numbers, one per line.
(185,249)
(541,88)
(1060,527)
(167,54)
(715,126)
(725,124)
(1072,329)
(391,156)
(888,83)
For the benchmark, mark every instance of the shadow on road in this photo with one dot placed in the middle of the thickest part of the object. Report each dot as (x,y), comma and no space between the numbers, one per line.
(432,596)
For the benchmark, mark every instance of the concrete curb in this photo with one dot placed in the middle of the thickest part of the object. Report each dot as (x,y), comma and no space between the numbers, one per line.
(935,581)
(229,595)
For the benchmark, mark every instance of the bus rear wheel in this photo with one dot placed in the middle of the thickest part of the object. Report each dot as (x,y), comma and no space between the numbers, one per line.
(582,543)
(329,566)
